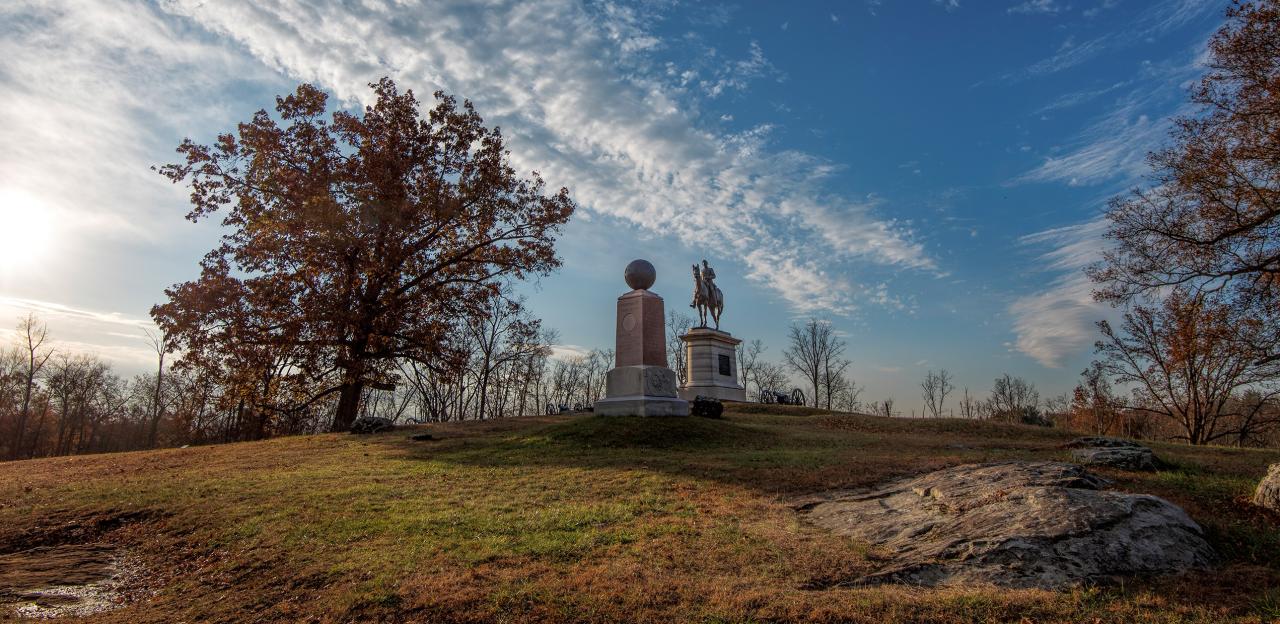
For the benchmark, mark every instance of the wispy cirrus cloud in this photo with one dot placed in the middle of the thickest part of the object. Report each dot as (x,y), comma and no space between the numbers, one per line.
(583,105)
(1111,151)
(1114,146)
(1158,20)
(1060,321)
(1038,7)
(1076,98)
(113,336)
(102,96)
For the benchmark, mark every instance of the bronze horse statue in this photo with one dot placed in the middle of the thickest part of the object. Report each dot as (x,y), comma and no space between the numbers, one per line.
(707,298)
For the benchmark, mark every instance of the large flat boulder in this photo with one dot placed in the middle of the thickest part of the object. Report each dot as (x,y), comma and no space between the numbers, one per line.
(1014,524)
(1268,493)
(1103,442)
(1123,457)
(1112,453)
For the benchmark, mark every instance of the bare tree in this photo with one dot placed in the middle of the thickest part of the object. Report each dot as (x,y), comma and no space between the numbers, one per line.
(160,344)
(769,377)
(969,406)
(749,355)
(935,388)
(833,379)
(1014,399)
(33,334)
(814,350)
(1057,406)
(677,325)
(845,393)
(599,361)
(886,407)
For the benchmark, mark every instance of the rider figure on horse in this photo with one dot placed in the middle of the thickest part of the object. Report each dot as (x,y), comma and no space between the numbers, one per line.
(707,298)
(707,277)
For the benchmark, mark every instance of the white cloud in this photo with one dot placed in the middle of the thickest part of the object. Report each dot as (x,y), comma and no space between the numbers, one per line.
(87,91)
(735,75)
(1158,20)
(1075,98)
(115,337)
(569,351)
(581,104)
(1114,146)
(1040,7)
(1060,321)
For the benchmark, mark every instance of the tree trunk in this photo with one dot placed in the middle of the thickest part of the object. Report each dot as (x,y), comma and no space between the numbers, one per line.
(155,405)
(348,405)
(24,414)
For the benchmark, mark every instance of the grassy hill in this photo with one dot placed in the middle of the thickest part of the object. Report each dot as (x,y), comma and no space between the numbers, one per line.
(586,519)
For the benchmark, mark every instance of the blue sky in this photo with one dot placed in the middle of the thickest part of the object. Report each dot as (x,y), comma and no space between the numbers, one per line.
(926,174)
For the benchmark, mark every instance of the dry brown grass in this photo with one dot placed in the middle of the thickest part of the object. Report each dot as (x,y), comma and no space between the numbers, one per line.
(584,519)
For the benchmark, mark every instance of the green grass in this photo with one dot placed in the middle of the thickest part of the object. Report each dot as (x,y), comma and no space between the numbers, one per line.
(591,519)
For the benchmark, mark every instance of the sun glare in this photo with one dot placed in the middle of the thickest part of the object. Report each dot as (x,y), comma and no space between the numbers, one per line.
(25,230)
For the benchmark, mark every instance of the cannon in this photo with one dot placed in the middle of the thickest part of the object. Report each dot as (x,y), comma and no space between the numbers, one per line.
(795,397)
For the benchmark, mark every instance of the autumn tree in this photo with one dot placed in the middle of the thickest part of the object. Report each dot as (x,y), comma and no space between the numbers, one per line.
(1094,406)
(1211,218)
(1186,358)
(354,242)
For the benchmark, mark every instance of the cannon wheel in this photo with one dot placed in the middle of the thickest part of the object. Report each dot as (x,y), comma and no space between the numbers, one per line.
(797,397)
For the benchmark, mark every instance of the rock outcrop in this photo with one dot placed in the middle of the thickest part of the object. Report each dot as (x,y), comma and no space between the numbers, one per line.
(1112,453)
(372,424)
(1014,524)
(1268,493)
(1102,442)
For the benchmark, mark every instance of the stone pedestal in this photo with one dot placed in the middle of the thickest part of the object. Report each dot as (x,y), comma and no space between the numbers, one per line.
(641,384)
(712,360)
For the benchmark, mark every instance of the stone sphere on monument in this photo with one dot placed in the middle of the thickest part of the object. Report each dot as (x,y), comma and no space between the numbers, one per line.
(640,274)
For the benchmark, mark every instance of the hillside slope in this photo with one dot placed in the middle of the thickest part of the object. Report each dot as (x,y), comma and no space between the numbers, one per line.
(581,519)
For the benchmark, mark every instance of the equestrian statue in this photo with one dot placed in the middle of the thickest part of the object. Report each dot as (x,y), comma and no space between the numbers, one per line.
(706,295)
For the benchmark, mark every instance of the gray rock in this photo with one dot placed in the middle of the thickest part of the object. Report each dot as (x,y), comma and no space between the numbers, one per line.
(1103,442)
(1014,524)
(1268,494)
(372,424)
(1123,457)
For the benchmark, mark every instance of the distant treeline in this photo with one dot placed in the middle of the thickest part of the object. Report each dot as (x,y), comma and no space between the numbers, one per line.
(57,402)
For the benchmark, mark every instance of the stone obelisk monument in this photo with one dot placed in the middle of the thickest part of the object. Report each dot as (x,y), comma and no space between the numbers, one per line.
(640,383)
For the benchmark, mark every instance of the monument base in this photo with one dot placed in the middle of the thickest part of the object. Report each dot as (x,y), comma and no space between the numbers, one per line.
(642,406)
(641,391)
(711,356)
(722,393)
